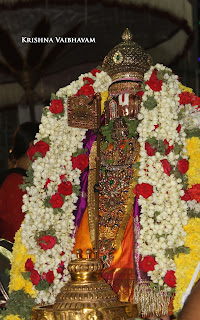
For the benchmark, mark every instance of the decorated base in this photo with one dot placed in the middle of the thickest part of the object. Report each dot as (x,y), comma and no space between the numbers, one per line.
(86,296)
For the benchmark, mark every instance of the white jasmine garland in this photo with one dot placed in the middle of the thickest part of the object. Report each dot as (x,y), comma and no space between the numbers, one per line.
(63,142)
(163,214)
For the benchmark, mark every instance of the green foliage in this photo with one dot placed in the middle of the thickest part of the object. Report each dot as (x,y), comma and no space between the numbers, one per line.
(47,140)
(126,147)
(46,202)
(7,272)
(109,161)
(192,213)
(150,103)
(136,165)
(103,169)
(170,253)
(156,214)
(181,176)
(26,275)
(58,210)
(107,131)
(76,189)
(161,73)
(59,115)
(158,144)
(45,111)
(132,127)
(54,97)
(19,303)
(28,180)
(79,151)
(192,133)
(177,148)
(50,232)
(42,285)
(104,145)
(181,114)
(155,286)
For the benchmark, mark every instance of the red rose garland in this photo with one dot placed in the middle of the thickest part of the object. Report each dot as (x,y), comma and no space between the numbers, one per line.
(81,162)
(150,151)
(147,263)
(144,189)
(56,200)
(35,277)
(170,279)
(154,83)
(40,146)
(56,106)
(47,242)
(166,166)
(29,265)
(183,165)
(65,188)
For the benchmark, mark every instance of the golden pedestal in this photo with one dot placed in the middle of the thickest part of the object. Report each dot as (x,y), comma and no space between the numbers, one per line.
(86,297)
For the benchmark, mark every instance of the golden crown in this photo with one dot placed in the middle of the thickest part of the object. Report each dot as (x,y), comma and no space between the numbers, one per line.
(127,60)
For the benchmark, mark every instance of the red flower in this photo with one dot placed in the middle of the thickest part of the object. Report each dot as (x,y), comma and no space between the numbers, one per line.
(185,97)
(147,264)
(61,267)
(56,200)
(186,196)
(65,188)
(35,277)
(154,83)
(56,106)
(196,101)
(183,165)
(169,148)
(88,80)
(94,71)
(166,166)
(194,192)
(50,277)
(143,189)
(29,265)
(30,152)
(178,128)
(170,279)
(46,184)
(47,242)
(140,93)
(40,146)
(81,162)
(156,126)
(86,90)
(150,151)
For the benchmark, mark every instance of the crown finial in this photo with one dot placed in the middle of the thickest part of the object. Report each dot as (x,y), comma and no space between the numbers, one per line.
(127,35)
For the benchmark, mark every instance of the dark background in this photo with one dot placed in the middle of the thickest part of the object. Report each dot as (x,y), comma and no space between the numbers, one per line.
(30,72)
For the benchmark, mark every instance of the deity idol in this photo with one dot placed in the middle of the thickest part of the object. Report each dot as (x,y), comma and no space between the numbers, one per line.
(119,226)
(114,170)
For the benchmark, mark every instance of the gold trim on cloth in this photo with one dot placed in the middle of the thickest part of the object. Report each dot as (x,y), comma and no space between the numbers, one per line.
(128,209)
(91,198)
(6,253)
(91,194)
(149,301)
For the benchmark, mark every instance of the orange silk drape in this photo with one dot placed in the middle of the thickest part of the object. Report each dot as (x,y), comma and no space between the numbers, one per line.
(120,275)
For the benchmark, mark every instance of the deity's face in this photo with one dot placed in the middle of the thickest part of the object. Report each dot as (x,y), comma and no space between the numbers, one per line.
(124,101)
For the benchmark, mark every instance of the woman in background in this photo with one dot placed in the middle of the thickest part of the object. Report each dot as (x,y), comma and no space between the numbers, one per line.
(11,215)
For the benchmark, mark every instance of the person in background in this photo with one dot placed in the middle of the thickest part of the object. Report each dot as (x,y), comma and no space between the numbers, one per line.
(191,309)
(11,215)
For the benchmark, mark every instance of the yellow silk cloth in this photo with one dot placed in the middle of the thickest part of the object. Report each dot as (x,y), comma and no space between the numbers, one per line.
(121,274)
